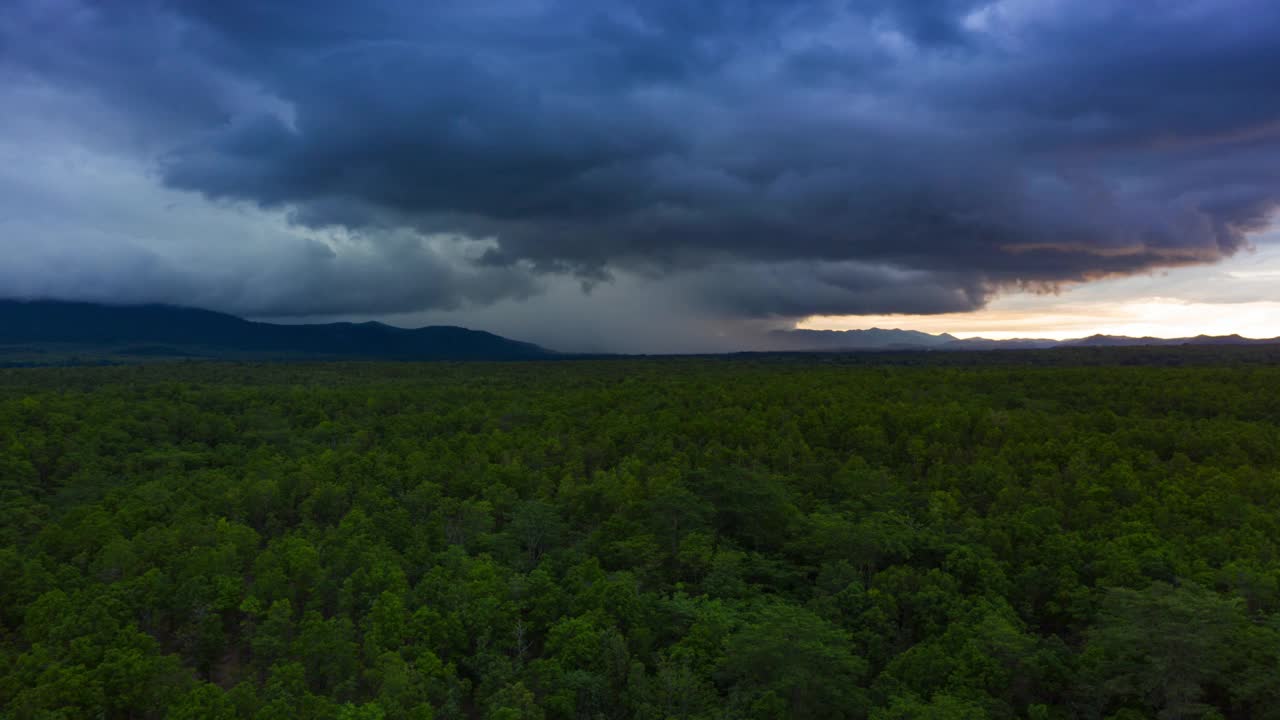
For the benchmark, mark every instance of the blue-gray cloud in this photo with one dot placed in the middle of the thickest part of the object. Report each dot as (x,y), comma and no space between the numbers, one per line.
(765,157)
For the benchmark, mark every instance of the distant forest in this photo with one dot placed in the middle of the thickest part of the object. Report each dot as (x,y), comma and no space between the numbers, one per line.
(889,537)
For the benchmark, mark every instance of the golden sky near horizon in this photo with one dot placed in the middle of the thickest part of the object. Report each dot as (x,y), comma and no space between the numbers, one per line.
(1155,317)
(1240,295)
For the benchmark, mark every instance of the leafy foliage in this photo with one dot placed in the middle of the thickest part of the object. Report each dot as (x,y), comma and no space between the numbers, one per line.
(694,539)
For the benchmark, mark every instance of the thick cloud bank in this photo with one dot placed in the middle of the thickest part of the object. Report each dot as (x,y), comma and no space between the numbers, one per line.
(758,159)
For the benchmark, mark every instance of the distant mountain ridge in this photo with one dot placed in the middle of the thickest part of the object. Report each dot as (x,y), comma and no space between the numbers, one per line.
(137,332)
(894,339)
(166,329)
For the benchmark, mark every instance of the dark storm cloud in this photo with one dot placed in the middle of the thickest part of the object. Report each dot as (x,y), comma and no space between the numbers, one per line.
(796,289)
(761,157)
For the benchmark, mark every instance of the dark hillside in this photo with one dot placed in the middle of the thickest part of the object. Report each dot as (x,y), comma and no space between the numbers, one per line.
(158,327)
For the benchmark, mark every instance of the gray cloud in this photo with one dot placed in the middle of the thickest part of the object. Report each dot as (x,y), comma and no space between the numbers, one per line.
(754,159)
(293,278)
(79,224)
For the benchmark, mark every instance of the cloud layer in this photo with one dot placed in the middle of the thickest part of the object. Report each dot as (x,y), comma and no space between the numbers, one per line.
(756,159)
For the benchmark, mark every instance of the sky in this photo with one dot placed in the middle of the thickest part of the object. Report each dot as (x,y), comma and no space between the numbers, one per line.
(651,175)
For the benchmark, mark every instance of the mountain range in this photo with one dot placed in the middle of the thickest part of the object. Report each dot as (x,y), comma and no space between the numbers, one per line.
(42,331)
(882,339)
(163,330)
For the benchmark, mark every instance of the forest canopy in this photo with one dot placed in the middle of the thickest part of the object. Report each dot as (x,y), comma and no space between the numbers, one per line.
(709,539)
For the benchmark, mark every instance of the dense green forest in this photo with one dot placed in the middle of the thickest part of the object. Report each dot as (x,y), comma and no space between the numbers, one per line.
(746,538)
